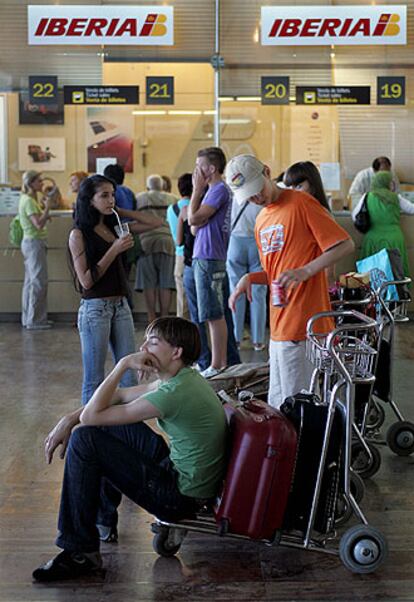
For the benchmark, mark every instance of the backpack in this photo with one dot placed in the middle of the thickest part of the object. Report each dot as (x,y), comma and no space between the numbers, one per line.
(15,232)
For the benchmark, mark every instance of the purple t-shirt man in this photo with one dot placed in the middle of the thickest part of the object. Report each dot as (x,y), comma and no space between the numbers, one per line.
(212,239)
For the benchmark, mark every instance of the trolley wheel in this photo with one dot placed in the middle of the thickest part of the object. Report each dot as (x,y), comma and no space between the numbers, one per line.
(375,417)
(161,544)
(362,464)
(343,511)
(223,527)
(400,438)
(357,486)
(363,549)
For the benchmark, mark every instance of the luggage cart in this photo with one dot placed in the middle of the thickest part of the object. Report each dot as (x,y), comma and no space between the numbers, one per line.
(344,360)
(370,405)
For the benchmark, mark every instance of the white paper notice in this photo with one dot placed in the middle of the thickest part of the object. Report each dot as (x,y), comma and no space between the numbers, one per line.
(331,175)
(102,162)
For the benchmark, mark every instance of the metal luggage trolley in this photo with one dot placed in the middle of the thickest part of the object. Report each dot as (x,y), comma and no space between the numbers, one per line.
(366,458)
(344,358)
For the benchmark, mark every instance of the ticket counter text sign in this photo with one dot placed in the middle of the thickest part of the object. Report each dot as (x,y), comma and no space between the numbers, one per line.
(99,25)
(339,25)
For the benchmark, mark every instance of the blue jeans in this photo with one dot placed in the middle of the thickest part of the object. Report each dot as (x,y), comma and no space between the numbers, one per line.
(243,257)
(209,275)
(204,360)
(135,460)
(103,322)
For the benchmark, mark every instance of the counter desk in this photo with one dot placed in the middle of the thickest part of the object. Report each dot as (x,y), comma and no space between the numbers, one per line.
(63,300)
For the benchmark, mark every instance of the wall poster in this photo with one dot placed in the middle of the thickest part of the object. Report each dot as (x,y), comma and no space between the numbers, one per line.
(42,154)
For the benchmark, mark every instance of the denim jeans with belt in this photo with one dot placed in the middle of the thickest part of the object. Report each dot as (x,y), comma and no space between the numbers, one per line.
(103,323)
(243,257)
(135,460)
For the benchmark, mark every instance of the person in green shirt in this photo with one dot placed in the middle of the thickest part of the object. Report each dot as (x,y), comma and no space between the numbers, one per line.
(171,481)
(33,218)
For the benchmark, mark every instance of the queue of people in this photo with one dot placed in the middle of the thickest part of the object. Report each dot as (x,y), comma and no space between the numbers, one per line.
(233,226)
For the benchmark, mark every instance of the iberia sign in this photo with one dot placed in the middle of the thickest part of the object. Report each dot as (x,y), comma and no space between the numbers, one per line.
(339,25)
(109,25)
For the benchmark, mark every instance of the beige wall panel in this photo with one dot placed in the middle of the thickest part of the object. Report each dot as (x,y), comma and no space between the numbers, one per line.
(11,265)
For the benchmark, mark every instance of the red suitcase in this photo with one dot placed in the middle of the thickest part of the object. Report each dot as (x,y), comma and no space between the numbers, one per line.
(260,470)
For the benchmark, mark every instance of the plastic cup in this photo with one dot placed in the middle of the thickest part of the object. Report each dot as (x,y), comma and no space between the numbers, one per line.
(122,230)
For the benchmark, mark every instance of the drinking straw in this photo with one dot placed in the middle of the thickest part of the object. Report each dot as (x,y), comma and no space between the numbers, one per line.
(119,221)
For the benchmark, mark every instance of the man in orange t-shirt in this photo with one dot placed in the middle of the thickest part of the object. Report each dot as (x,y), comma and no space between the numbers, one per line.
(297,239)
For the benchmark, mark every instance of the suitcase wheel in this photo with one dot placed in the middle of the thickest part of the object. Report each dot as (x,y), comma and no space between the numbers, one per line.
(363,549)
(167,541)
(400,438)
(223,527)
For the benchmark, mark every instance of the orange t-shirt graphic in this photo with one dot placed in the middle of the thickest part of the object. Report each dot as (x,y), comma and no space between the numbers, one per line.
(289,234)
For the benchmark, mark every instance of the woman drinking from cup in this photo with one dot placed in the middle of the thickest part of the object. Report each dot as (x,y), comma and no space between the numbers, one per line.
(104,316)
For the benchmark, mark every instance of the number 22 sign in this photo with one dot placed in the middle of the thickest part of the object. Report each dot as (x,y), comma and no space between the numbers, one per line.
(43,89)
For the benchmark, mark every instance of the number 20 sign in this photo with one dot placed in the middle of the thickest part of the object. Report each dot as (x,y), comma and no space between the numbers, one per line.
(275,90)
(160,90)
(43,89)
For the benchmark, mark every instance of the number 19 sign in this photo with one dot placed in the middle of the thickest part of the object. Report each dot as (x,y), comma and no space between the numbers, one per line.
(160,90)
(390,90)
(275,90)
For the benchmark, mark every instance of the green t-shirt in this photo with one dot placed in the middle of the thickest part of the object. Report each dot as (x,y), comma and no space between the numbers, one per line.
(195,423)
(29,206)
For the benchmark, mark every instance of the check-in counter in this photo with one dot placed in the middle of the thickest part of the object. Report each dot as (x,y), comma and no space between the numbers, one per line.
(63,300)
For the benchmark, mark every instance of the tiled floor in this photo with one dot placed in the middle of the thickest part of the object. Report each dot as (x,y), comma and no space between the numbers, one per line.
(41,378)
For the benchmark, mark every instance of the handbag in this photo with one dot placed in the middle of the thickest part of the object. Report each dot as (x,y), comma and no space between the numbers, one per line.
(361,219)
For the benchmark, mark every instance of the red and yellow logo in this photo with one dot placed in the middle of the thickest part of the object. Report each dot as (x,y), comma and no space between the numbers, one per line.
(154,26)
(387,25)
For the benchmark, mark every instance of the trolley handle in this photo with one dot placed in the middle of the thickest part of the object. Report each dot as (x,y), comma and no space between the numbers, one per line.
(361,302)
(380,296)
(366,322)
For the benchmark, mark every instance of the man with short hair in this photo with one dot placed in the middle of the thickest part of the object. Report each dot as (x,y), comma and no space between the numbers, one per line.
(170,482)
(209,212)
(155,268)
(297,239)
(361,184)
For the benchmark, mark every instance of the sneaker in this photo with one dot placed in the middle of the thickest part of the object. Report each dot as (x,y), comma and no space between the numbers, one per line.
(67,565)
(42,326)
(108,534)
(259,346)
(211,371)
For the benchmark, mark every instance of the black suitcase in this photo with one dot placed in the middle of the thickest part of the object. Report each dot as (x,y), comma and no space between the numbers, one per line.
(309,418)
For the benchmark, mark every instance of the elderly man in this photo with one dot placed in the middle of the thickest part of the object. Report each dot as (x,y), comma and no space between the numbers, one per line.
(155,269)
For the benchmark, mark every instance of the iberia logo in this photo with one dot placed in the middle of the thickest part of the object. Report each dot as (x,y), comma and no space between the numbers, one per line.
(154,26)
(387,25)
(321,25)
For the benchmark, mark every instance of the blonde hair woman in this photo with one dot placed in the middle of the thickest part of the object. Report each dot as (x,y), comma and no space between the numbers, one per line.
(33,217)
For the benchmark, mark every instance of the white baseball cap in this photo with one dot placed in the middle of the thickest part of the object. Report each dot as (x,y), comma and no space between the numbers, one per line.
(244,175)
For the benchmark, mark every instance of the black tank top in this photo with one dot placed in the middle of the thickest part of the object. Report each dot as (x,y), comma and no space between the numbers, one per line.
(114,282)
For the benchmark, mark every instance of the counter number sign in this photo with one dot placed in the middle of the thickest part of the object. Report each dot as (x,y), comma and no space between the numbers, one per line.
(391,90)
(160,90)
(275,90)
(43,89)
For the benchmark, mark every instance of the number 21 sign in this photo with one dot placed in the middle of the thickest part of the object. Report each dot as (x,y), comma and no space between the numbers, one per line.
(160,90)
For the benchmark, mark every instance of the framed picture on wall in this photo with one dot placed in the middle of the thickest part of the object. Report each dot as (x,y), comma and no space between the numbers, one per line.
(39,114)
(42,154)
(108,135)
